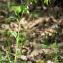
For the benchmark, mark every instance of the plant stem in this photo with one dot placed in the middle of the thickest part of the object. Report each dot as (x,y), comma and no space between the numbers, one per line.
(17,44)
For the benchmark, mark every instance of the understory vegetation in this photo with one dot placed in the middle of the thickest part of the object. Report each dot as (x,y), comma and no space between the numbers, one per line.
(31,31)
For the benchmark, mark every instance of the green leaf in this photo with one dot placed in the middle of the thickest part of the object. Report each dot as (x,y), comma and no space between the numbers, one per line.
(44,46)
(24,9)
(54,45)
(16,9)
(20,9)
(14,34)
(40,61)
(46,2)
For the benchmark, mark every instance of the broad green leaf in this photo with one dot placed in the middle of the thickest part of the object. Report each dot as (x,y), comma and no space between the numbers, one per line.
(24,9)
(19,9)
(46,2)
(16,9)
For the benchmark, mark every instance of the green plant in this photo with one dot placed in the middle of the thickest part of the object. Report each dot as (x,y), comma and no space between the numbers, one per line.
(57,58)
(1,57)
(21,9)
(46,2)
(20,39)
(40,61)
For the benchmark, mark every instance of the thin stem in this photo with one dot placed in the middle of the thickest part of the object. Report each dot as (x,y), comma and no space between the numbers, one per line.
(17,43)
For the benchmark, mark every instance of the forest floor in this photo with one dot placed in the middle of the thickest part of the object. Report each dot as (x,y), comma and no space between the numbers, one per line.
(38,38)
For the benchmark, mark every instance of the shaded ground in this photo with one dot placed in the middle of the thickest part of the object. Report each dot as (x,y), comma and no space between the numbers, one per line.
(44,36)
